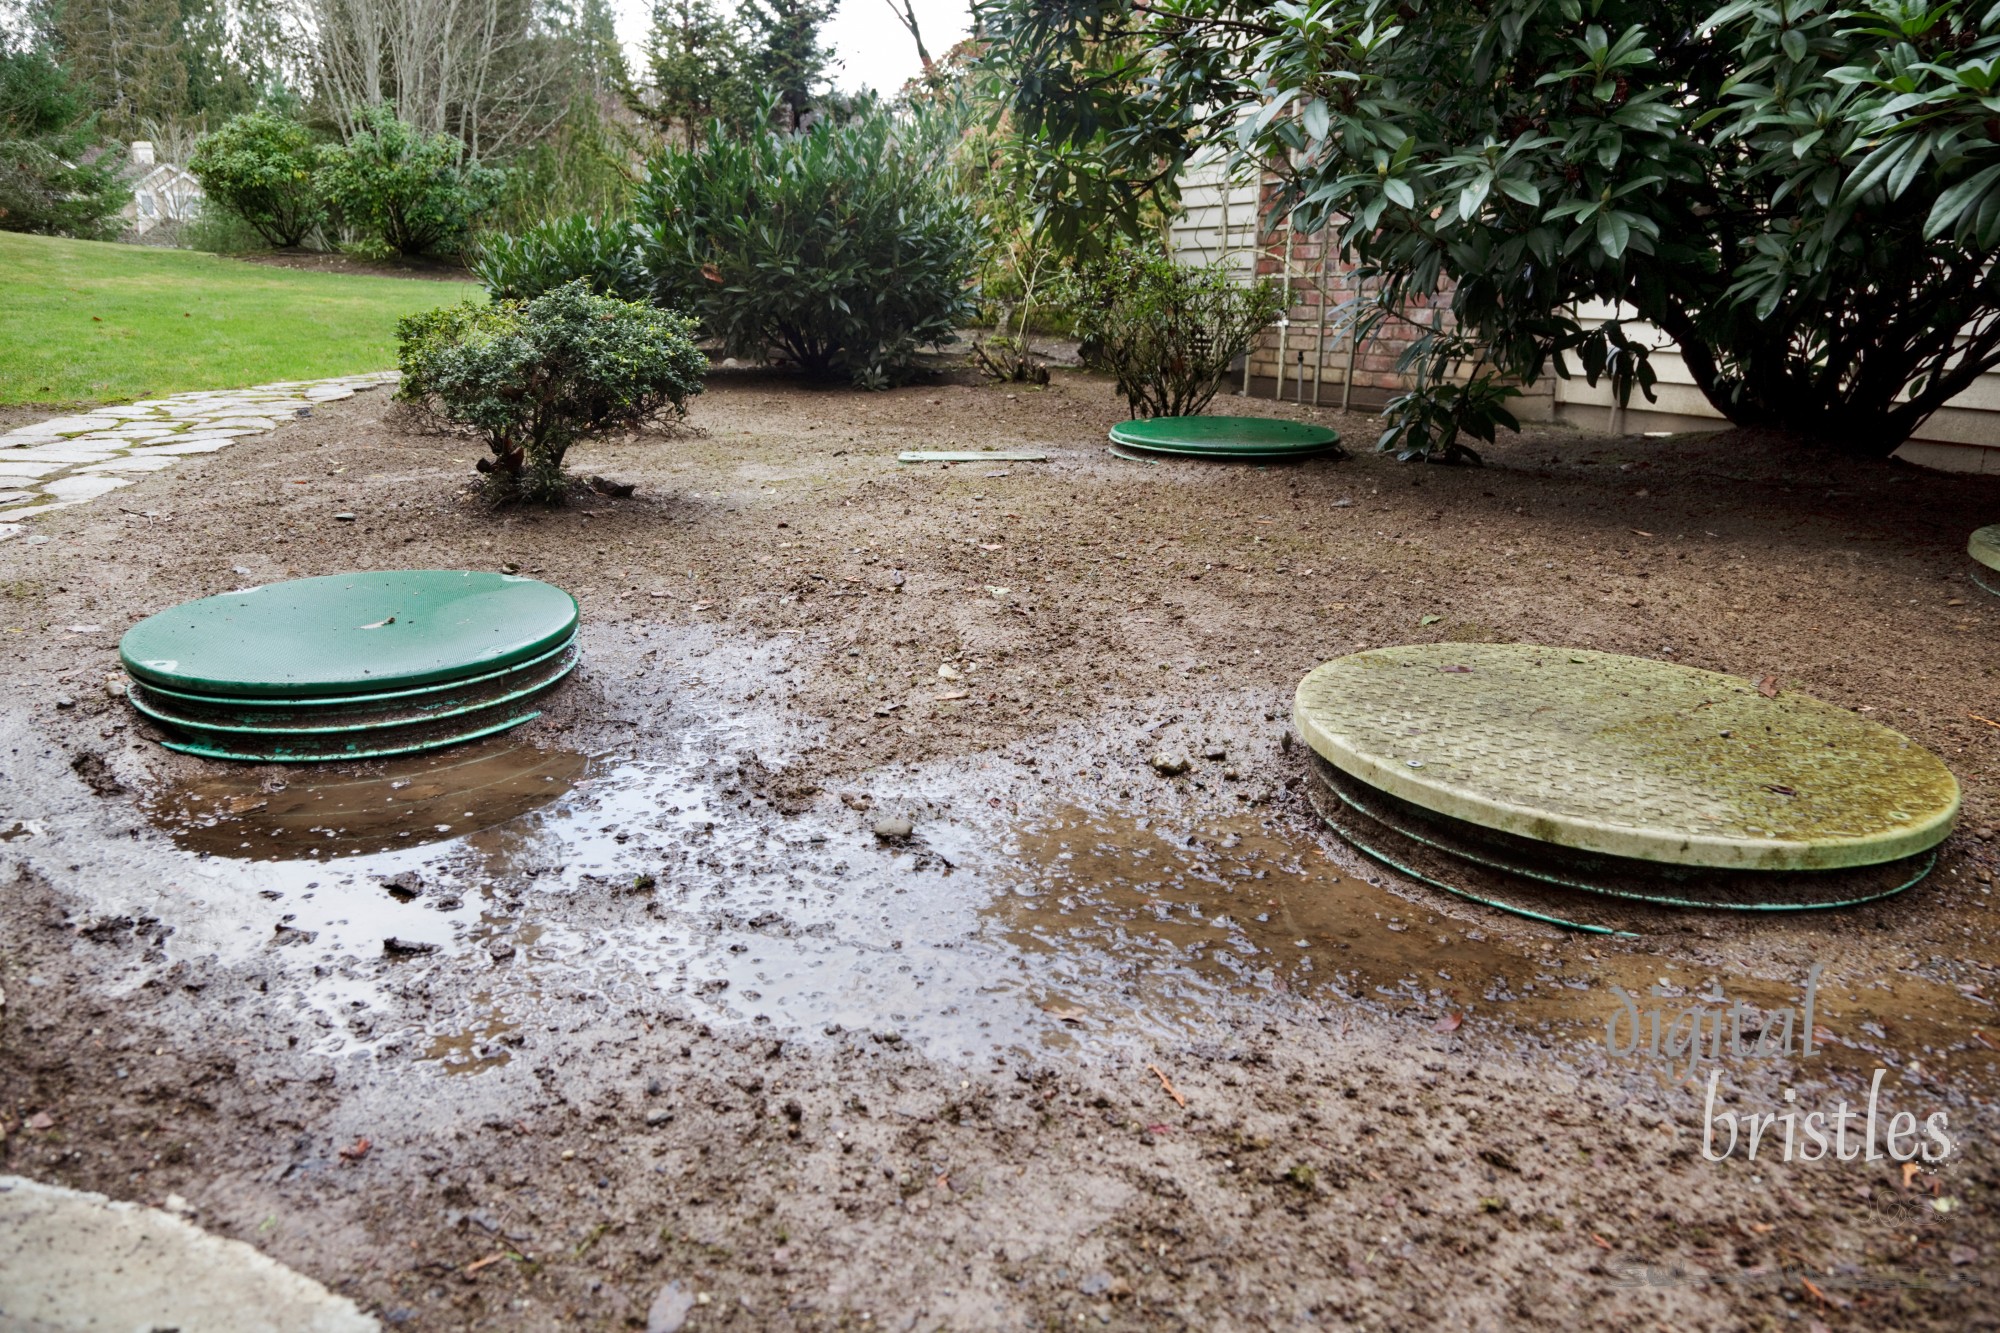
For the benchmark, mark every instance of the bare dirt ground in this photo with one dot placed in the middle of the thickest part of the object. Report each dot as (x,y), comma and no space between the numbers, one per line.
(332,261)
(672,1031)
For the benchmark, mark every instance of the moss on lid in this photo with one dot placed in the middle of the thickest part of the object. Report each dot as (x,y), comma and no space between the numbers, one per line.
(1627,756)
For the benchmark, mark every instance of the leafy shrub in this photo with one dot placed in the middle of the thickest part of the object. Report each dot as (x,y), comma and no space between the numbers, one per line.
(260,166)
(56,177)
(603,254)
(403,191)
(1168,331)
(841,247)
(532,377)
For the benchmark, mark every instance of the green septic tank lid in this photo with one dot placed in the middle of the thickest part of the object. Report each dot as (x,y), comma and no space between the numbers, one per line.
(1225,437)
(1985,546)
(349,633)
(1626,756)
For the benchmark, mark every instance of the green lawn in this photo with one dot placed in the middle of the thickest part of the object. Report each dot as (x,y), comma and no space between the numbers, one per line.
(84,321)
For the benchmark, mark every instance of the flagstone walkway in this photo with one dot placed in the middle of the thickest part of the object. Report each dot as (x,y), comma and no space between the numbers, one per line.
(69,460)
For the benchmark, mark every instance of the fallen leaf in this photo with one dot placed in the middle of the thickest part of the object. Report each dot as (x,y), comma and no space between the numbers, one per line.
(39,1121)
(1602,1243)
(1768,687)
(995,547)
(947,698)
(1449,1023)
(357,1151)
(1172,1091)
(387,620)
(1430,620)
(1068,1013)
(1910,1172)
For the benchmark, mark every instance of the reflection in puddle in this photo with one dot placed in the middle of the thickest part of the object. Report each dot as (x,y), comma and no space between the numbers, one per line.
(477,1046)
(1171,923)
(400,803)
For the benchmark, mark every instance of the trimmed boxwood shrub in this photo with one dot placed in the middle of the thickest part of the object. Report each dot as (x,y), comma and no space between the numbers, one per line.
(842,248)
(532,377)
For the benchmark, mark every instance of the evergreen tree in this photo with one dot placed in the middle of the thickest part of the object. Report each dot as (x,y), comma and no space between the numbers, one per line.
(592,31)
(698,59)
(128,53)
(56,175)
(787,56)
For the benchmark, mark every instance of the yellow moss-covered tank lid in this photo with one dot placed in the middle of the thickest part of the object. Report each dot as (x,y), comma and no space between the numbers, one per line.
(1627,756)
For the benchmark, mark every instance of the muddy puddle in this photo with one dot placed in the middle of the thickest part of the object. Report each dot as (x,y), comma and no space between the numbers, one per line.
(513,869)
(1177,919)
(249,814)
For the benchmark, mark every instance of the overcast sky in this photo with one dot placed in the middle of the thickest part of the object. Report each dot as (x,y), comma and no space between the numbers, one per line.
(871,48)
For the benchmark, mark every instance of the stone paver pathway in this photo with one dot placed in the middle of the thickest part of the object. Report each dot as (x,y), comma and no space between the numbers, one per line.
(68,460)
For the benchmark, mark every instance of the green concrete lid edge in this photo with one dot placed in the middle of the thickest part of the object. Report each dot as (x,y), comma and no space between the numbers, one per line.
(1984,546)
(206,727)
(280,757)
(1279,428)
(347,700)
(1495,863)
(1219,449)
(1591,836)
(1376,854)
(1154,454)
(274,689)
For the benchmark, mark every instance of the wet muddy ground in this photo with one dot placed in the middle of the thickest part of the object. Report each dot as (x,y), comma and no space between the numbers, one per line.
(635,1013)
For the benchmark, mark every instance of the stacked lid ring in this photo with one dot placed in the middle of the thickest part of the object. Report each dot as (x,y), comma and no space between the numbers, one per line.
(1984,547)
(350,666)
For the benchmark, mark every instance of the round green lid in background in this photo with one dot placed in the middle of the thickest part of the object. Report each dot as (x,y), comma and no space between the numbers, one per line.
(1226,437)
(349,633)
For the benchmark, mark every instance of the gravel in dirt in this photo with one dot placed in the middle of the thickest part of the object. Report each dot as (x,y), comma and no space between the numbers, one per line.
(837,953)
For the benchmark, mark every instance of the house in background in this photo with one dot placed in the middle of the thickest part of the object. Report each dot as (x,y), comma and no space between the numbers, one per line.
(162,193)
(1306,357)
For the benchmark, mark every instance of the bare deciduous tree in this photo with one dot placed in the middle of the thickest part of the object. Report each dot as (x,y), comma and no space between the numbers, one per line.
(491,72)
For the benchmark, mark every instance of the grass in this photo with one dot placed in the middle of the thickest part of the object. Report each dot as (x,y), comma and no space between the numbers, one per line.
(86,321)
